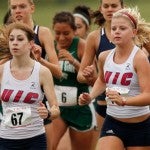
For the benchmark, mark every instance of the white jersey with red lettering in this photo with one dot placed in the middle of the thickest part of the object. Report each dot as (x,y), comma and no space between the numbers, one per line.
(123,78)
(20,99)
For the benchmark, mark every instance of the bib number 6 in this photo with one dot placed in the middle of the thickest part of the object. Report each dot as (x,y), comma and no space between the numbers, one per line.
(64,97)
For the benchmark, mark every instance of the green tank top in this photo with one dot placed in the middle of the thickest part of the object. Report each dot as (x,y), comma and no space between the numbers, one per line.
(69,73)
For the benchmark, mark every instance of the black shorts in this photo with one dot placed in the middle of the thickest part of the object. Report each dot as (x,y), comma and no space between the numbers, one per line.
(131,134)
(100,109)
(34,143)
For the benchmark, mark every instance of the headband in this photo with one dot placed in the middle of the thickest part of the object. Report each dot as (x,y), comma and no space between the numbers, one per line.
(82,17)
(131,18)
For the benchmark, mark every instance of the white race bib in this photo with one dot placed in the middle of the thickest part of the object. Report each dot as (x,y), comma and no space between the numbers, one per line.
(17,116)
(109,102)
(122,90)
(66,96)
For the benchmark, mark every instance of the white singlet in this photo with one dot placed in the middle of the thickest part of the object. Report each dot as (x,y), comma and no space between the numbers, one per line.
(123,78)
(20,99)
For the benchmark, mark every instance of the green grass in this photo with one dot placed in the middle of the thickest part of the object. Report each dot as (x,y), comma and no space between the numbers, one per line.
(46,9)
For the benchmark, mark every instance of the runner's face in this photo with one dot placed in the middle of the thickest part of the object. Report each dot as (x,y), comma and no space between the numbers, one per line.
(122,30)
(81,30)
(64,34)
(21,10)
(19,43)
(108,7)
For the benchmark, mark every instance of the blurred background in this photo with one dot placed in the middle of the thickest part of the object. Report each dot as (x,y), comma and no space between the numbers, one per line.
(46,9)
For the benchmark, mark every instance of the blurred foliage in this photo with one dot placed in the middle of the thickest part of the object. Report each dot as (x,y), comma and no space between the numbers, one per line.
(46,9)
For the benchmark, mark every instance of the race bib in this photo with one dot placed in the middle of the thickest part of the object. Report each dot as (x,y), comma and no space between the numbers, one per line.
(66,96)
(17,116)
(121,90)
(109,102)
